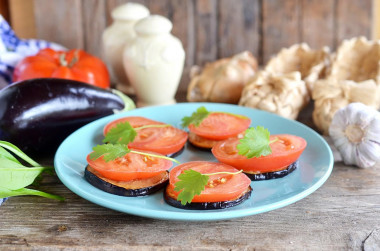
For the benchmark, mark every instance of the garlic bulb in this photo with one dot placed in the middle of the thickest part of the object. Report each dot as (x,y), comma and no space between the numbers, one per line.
(355,131)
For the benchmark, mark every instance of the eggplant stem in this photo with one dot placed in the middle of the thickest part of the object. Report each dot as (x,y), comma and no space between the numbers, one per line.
(128,102)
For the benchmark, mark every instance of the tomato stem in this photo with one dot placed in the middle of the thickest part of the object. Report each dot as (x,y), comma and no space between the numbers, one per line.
(232,173)
(75,59)
(272,141)
(156,156)
(151,126)
(62,59)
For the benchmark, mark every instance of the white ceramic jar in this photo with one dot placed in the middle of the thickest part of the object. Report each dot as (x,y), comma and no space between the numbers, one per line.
(117,36)
(154,61)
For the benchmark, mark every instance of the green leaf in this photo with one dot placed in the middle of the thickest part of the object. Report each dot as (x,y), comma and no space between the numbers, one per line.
(15,176)
(4,192)
(109,151)
(196,118)
(4,154)
(255,143)
(18,152)
(190,183)
(122,133)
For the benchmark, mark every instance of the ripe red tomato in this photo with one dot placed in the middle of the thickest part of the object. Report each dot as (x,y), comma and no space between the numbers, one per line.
(220,187)
(163,140)
(74,64)
(130,167)
(286,150)
(219,125)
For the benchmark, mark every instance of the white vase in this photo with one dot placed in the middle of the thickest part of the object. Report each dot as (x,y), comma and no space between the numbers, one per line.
(116,37)
(154,61)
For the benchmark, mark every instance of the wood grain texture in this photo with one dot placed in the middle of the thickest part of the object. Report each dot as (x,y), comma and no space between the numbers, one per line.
(342,215)
(317,23)
(238,32)
(94,23)
(280,26)
(60,22)
(353,19)
(206,35)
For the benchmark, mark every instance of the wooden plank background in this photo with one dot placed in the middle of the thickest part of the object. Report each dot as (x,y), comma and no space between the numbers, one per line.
(211,29)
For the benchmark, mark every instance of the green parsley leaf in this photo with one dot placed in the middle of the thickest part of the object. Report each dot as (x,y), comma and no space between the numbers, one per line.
(109,151)
(191,183)
(196,118)
(122,133)
(255,143)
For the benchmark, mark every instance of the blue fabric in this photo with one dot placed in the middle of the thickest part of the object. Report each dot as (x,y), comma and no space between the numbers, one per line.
(14,49)
(2,200)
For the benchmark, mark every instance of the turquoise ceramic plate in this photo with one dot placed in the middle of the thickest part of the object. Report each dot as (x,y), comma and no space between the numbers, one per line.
(316,164)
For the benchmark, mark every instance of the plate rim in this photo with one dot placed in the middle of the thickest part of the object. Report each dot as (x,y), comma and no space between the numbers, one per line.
(206,215)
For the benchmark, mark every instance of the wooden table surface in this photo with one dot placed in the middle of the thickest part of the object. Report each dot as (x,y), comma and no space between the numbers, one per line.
(344,214)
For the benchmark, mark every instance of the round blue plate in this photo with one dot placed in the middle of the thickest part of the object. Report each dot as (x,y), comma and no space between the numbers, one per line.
(316,164)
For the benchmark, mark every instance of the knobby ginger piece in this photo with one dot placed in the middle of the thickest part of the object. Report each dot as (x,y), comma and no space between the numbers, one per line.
(284,95)
(223,80)
(312,64)
(354,76)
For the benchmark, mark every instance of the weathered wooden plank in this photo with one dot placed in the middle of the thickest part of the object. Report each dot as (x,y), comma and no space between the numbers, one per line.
(280,26)
(205,20)
(353,19)
(342,215)
(60,21)
(180,13)
(94,23)
(317,23)
(238,27)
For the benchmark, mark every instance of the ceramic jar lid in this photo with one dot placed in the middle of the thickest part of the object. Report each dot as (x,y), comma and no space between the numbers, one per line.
(153,25)
(130,11)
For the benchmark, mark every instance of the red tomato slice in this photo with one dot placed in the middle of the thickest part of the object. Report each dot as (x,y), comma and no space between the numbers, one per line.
(220,187)
(286,150)
(130,167)
(219,125)
(163,140)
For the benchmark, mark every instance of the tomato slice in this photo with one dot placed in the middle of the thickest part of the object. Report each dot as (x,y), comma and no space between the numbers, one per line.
(286,150)
(130,167)
(219,125)
(163,140)
(220,187)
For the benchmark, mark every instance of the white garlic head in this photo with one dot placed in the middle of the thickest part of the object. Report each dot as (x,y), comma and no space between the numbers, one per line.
(355,131)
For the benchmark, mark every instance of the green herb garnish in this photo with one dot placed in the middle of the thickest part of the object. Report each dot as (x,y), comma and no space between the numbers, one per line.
(113,151)
(196,118)
(255,143)
(192,183)
(124,133)
(15,177)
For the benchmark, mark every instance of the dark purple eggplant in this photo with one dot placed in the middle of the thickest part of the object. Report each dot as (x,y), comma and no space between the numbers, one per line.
(208,205)
(273,175)
(128,189)
(38,114)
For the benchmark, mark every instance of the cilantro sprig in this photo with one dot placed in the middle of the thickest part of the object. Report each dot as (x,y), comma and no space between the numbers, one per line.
(200,114)
(192,183)
(255,143)
(196,117)
(113,151)
(124,133)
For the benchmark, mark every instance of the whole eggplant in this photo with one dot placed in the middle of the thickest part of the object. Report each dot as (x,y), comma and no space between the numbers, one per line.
(38,114)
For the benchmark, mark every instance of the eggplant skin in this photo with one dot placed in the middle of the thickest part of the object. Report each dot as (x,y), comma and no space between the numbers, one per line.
(208,205)
(38,114)
(108,187)
(273,175)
